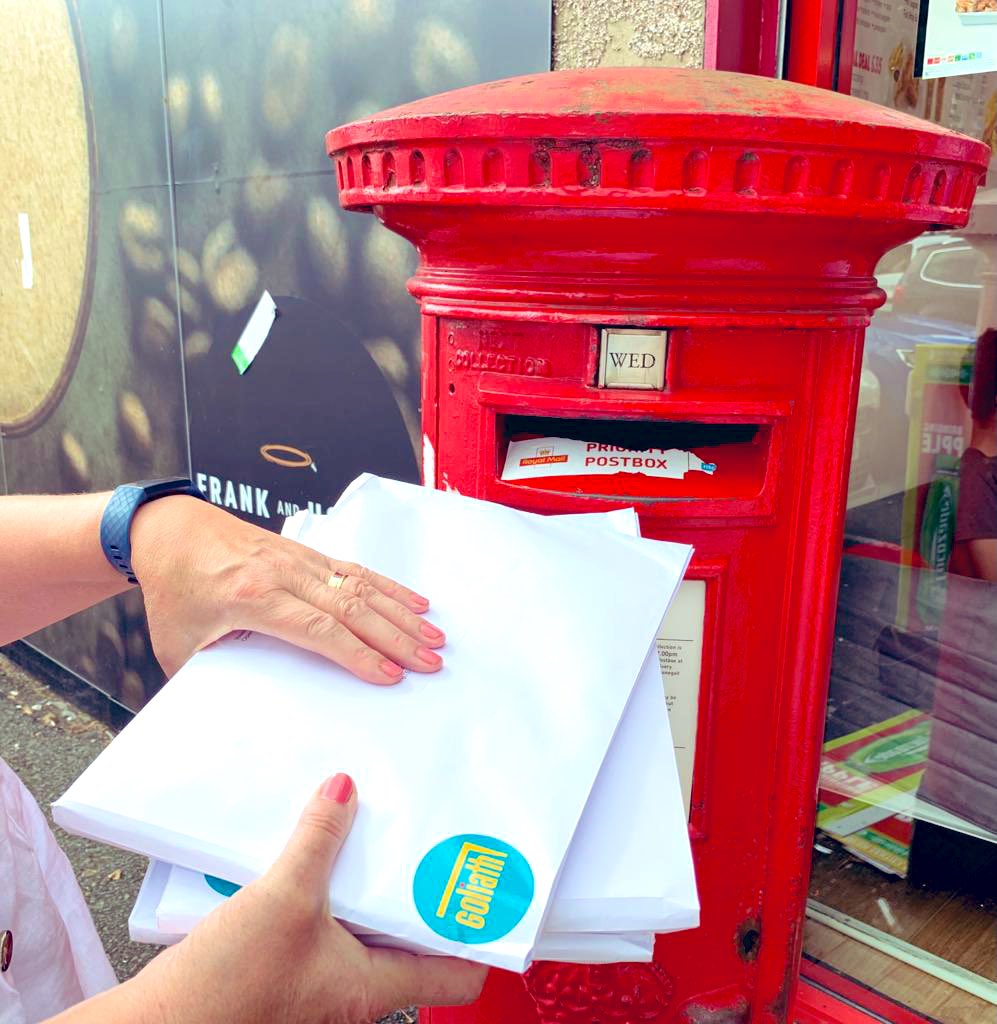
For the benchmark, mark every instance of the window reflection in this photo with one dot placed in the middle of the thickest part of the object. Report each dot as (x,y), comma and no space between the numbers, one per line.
(904,887)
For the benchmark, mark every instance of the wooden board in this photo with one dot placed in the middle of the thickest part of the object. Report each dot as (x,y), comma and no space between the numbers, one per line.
(946,924)
(905,984)
(46,220)
(846,884)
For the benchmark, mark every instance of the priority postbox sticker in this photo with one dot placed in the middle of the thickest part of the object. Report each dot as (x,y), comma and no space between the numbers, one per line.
(559,456)
(472,888)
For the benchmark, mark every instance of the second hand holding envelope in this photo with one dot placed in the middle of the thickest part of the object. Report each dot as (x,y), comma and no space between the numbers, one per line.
(472,780)
(628,873)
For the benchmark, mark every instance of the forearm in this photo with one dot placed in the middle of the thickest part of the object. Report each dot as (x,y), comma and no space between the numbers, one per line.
(132,1002)
(205,573)
(51,562)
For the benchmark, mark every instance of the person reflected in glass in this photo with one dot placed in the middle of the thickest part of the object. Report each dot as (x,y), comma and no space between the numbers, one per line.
(975,550)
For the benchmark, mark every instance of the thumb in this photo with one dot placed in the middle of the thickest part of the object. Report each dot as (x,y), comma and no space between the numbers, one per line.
(311,851)
(403,979)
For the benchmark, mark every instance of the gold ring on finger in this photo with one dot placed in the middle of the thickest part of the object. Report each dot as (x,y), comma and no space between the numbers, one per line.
(336,579)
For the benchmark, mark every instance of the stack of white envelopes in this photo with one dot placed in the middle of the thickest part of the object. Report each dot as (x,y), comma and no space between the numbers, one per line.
(523,803)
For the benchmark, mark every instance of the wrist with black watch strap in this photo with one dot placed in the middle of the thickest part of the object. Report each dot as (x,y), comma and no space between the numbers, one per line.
(116,522)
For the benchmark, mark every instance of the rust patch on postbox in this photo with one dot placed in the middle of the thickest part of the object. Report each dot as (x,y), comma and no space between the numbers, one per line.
(736,1014)
(748,940)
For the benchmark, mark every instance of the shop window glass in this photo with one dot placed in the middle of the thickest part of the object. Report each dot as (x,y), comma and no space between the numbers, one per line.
(903,894)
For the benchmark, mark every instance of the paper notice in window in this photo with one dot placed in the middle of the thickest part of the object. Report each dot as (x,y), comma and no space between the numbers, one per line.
(558,456)
(680,655)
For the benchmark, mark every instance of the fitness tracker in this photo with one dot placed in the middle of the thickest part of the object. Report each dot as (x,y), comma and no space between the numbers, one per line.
(116,523)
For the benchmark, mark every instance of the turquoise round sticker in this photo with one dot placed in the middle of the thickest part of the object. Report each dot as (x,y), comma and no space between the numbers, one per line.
(221,886)
(472,888)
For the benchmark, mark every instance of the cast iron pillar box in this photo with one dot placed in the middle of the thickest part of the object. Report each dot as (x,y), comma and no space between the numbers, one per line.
(679,261)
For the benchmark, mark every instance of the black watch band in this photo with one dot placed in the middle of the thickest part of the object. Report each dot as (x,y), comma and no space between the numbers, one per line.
(116,523)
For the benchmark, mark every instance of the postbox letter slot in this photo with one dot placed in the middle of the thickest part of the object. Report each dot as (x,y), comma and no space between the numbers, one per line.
(639,459)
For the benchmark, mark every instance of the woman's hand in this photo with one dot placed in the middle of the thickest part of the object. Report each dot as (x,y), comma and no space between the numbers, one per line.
(204,573)
(273,953)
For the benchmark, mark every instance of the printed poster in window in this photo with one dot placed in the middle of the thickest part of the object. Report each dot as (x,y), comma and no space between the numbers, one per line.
(956,37)
(884,71)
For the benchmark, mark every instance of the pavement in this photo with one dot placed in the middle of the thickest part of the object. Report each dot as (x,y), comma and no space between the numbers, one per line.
(48,740)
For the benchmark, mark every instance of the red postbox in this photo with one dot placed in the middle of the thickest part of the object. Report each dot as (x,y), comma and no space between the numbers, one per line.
(672,261)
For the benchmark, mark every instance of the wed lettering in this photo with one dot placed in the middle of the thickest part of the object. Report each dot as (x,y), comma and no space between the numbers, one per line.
(632,360)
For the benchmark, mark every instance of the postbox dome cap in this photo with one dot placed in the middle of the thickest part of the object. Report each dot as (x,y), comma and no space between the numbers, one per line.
(615,102)
(650,136)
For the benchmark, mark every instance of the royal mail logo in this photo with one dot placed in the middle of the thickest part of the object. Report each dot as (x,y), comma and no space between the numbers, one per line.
(472,888)
(544,457)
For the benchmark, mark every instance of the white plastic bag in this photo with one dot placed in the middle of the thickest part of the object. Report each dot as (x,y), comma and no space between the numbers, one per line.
(57,956)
